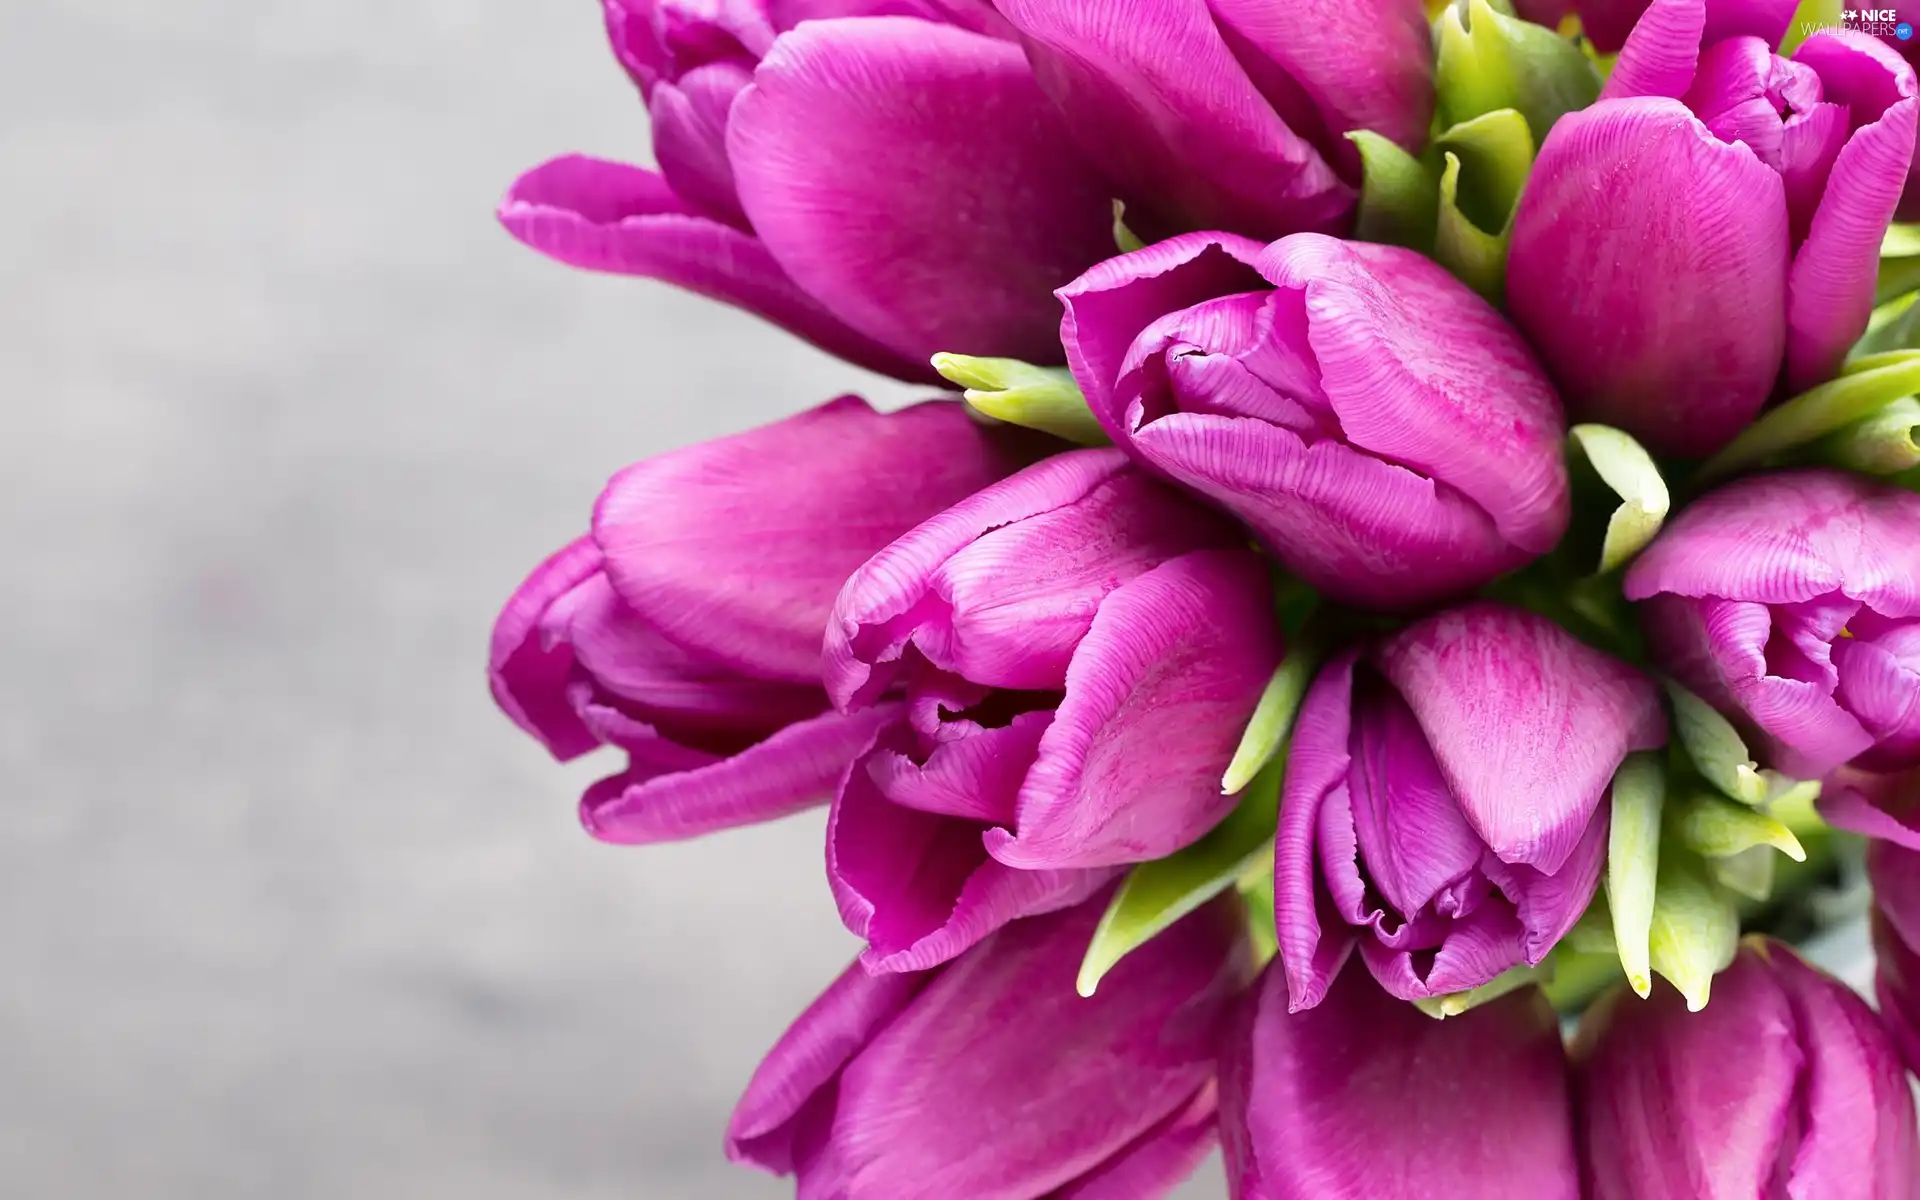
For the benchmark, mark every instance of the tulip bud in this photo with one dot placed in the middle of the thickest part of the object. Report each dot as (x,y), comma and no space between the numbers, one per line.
(1078,649)
(1379,426)
(991,1077)
(1763,185)
(1366,1098)
(685,631)
(1791,603)
(1786,1085)
(1444,795)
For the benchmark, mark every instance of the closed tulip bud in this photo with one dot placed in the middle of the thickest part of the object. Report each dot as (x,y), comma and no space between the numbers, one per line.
(1760,187)
(1078,650)
(991,1076)
(1379,426)
(1229,114)
(887,181)
(1368,1098)
(1444,800)
(1791,603)
(686,629)
(1785,1085)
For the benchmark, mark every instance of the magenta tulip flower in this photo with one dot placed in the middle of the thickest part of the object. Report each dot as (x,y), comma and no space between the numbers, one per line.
(887,186)
(686,629)
(1759,186)
(1228,114)
(1079,649)
(1791,602)
(1895,871)
(1880,805)
(1382,430)
(1786,1085)
(1368,1098)
(1443,804)
(992,1077)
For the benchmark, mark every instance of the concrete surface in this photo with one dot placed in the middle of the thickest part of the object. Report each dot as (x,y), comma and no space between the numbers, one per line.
(286,909)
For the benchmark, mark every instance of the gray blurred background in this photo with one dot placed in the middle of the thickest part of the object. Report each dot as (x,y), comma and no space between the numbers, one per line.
(286,908)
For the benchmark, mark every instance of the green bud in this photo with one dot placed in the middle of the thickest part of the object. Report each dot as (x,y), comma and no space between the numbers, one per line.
(1696,927)
(1633,863)
(1866,385)
(1399,195)
(1716,747)
(1886,443)
(1487,60)
(1712,825)
(1006,389)
(1625,466)
(1158,893)
(1487,159)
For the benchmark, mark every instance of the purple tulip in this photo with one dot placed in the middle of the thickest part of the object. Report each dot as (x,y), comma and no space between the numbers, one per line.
(1759,187)
(1368,1098)
(1443,804)
(1383,431)
(686,629)
(1228,114)
(1791,603)
(1883,806)
(887,186)
(990,1077)
(1895,871)
(1079,649)
(1786,1085)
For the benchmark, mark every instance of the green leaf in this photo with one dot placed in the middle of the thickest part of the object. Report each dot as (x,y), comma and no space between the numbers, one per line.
(1886,443)
(1710,824)
(1625,466)
(1043,398)
(1158,893)
(1455,1003)
(1487,159)
(1696,927)
(1810,16)
(1748,874)
(1256,888)
(1867,385)
(1487,60)
(1274,715)
(1124,238)
(1790,802)
(1399,194)
(1633,863)
(1715,746)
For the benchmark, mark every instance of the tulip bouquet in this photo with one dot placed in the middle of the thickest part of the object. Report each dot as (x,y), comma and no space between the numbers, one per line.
(1416,604)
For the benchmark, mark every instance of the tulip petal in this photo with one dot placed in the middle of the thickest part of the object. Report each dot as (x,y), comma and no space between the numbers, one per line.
(1366,1098)
(892,598)
(528,673)
(690,137)
(1154,96)
(1661,52)
(1883,807)
(1880,688)
(1682,367)
(1312,949)
(924,1110)
(803,1064)
(912,178)
(1550,905)
(606,216)
(1528,723)
(1895,872)
(1476,950)
(1790,536)
(1109,306)
(1157,695)
(1399,343)
(920,887)
(735,548)
(1859,1122)
(1663,1115)
(975,778)
(1159,1160)
(794,769)
(1830,291)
